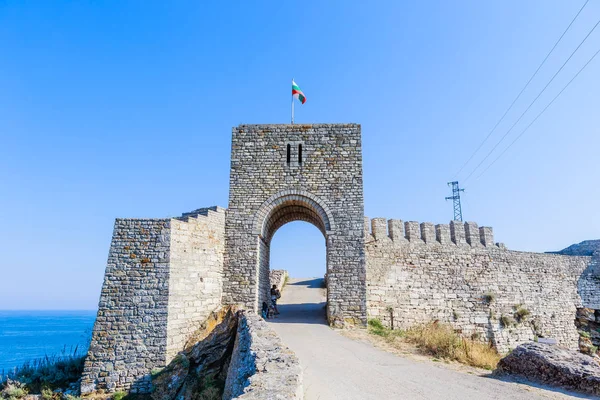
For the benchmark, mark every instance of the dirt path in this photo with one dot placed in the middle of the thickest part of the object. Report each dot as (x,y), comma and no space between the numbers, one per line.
(337,367)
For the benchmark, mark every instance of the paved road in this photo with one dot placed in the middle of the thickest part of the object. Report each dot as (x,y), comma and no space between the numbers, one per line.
(337,367)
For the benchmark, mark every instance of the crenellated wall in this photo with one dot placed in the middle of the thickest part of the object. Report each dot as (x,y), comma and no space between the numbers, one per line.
(163,278)
(455,273)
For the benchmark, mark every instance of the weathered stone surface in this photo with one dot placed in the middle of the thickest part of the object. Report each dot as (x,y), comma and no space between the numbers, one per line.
(208,360)
(278,277)
(283,173)
(261,367)
(553,365)
(425,280)
(163,279)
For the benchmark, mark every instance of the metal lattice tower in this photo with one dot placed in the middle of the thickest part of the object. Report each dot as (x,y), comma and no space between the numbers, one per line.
(456,200)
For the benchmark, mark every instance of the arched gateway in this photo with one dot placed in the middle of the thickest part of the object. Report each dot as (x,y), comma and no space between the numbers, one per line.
(285,173)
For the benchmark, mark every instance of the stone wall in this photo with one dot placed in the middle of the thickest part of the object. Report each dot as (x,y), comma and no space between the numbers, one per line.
(455,273)
(163,278)
(196,273)
(272,183)
(277,277)
(261,367)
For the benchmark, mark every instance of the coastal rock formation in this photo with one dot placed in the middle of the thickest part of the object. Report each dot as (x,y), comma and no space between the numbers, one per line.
(585,248)
(553,365)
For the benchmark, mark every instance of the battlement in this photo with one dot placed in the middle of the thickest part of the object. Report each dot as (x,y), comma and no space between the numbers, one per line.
(201,212)
(405,232)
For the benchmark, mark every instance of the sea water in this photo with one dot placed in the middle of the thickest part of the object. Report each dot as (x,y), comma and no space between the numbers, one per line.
(27,335)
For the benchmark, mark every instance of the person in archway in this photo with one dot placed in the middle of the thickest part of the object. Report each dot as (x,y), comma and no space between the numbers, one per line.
(275,295)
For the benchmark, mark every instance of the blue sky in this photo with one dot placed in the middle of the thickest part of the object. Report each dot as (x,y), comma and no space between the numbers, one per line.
(125,109)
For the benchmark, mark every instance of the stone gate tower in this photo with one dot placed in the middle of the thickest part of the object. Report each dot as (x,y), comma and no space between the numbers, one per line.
(284,173)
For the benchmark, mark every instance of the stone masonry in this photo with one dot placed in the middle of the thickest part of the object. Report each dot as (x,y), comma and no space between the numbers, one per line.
(283,173)
(164,277)
(418,273)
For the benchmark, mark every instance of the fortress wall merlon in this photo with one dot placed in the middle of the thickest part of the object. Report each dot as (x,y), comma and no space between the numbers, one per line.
(457,233)
(472,234)
(379,228)
(486,235)
(442,234)
(428,232)
(412,231)
(396,230)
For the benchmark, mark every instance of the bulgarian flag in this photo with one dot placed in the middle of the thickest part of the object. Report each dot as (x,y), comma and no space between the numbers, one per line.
(297,93)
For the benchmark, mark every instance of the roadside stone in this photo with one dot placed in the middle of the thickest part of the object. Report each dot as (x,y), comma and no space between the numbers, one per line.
(553,365)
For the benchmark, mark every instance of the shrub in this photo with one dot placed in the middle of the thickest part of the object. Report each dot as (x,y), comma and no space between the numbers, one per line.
(49,373)
(47,394)
(585,334)
(521,313)
(506,321)
(13,390)
(488,297)
(118,395)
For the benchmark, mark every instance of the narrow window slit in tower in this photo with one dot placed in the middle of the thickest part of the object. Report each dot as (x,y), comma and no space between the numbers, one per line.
(289,154)
(299,154)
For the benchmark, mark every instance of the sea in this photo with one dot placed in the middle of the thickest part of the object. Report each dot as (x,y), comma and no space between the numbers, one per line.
(29,335)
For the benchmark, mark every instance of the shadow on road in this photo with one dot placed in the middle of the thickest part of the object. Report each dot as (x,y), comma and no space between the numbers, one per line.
(310,283)
(305,313)
(523,381)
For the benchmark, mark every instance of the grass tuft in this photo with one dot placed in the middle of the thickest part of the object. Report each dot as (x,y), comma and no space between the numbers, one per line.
(440,341)
(489,297)
(377,328)
(521,313)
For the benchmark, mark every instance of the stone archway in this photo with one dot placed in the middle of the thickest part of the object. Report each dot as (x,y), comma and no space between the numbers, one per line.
(284,173)
(278,210)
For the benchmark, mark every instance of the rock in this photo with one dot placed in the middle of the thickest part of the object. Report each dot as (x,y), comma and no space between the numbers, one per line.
(199,370)
(554,366)
(585,248)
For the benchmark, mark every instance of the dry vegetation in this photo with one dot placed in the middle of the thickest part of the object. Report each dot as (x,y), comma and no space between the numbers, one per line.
(440,341)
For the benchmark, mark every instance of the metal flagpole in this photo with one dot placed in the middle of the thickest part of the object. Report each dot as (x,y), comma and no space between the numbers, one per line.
(292,102)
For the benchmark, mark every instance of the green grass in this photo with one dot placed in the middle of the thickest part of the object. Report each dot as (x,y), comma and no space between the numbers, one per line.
(377,328)
(118,395)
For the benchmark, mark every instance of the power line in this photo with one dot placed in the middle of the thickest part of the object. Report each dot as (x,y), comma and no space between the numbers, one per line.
(540,114)
(534,100)
(522,90)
